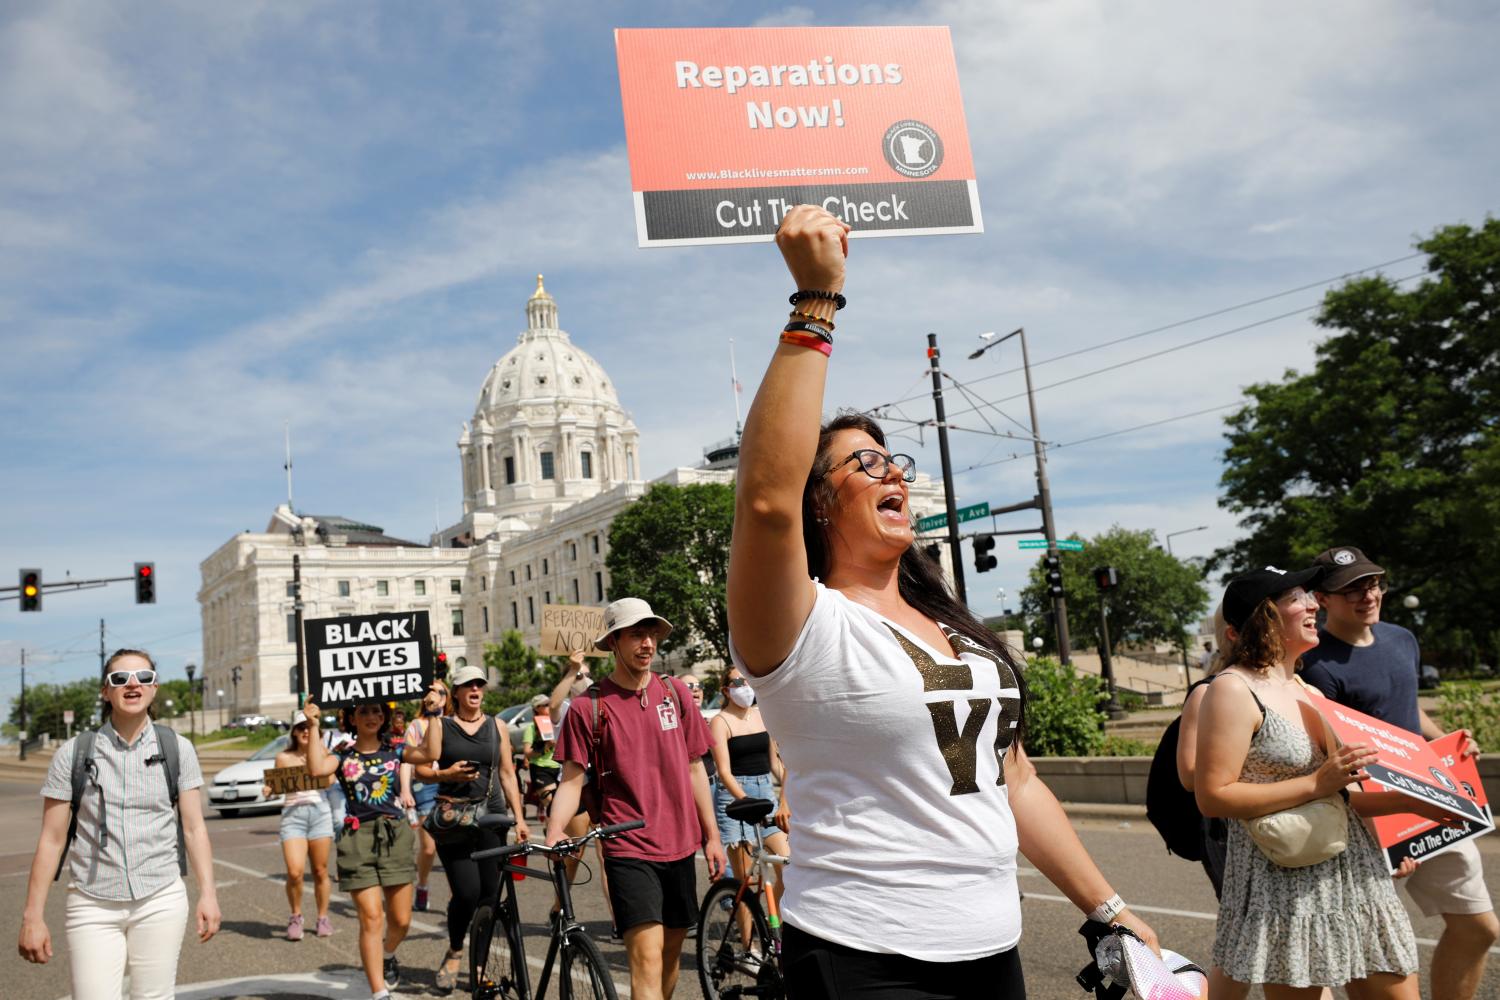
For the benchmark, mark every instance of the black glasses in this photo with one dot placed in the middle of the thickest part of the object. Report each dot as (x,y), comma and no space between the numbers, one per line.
(119,678)
(738,682)
(1360,588)
(877,464)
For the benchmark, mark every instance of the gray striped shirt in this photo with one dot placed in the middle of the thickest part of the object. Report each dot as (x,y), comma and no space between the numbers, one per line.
(139,856)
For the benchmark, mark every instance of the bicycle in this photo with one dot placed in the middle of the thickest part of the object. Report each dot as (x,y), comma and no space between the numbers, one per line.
(497,962)
(727,968)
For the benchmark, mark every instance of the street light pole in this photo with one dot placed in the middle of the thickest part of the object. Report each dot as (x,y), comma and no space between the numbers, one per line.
(1183,644)
(192,715)
(1043,489)
(219,692)
(1184,531)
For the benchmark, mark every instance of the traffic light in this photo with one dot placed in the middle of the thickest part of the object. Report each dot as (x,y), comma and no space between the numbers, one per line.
(1106,578)
(1053,566)
(440,666)
(983,561)
(934,552)
(31,590)
(145,583)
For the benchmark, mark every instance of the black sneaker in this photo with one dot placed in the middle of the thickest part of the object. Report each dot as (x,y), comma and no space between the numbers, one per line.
(392,973)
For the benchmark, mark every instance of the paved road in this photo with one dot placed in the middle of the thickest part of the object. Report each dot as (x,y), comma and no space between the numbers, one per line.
(251,959)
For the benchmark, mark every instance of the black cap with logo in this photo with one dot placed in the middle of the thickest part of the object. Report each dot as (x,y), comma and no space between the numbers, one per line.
(1245,592)
(1343,565)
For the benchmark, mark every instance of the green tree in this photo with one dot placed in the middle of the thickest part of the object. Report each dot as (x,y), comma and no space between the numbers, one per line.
(671,547)
(1390,443)
(45,704)
(1159,596)
(1063,713)
(517,677)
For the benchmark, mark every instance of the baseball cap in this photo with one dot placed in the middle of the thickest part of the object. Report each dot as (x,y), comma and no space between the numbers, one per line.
(1246,591)
(628,611)
(539,701)
(468,675)
(1341,566)
(299,718)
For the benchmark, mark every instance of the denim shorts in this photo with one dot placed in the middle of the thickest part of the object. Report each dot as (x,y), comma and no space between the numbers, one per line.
(425,795)
(732,831)
(308,821)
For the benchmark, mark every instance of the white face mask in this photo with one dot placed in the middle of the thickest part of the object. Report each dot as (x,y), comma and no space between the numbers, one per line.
(742,696)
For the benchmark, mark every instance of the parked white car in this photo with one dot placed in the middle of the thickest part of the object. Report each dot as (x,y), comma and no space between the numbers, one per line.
(238,786)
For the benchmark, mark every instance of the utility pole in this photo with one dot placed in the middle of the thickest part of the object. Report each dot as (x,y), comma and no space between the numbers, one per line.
(297,625)
(101,651)
(192,711)
(951,504)
(234,678)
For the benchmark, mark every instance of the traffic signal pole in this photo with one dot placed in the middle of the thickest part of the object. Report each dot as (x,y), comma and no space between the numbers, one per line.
(297,614)
(942,429)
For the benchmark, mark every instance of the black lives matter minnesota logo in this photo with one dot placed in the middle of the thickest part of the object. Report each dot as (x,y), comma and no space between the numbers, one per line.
(912,148)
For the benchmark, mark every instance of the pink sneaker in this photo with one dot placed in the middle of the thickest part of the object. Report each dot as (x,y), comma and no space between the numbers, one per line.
(325,928)
(294,928)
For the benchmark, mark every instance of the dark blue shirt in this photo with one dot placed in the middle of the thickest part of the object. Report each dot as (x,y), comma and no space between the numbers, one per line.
(1379,679)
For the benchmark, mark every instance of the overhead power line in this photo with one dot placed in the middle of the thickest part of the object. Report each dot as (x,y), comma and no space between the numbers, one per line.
(1107,434)
(1185,322)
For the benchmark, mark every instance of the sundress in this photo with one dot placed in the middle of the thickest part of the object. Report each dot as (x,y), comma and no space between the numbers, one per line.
(1321,925)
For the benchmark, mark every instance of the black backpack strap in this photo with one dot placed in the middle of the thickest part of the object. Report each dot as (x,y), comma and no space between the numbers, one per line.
(83,762)
(166,744)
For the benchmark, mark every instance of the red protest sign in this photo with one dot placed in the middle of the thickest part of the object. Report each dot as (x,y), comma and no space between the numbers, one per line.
(728,128)
(1410,836)
(1404,761)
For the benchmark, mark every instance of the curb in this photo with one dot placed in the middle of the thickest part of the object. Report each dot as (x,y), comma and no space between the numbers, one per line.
(1104,810)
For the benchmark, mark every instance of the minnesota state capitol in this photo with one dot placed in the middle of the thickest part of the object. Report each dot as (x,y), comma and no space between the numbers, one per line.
(548,459)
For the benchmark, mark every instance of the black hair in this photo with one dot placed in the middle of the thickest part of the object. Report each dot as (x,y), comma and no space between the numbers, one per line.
(385,723)
(919,578)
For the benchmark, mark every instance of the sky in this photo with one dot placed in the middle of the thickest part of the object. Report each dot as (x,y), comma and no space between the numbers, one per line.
(220,220)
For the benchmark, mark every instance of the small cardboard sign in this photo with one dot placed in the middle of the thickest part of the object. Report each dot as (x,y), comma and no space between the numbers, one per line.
(545,729)
(728,128)
(1404,761)
(283,780)
(1411,836)
(566,627)
(364,659)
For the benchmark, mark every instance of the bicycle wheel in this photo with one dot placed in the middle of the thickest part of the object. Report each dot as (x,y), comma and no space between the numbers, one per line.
(727,969)
(585,974)
(497,961)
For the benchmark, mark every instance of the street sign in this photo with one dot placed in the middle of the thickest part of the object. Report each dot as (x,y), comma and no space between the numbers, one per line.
(971,513)
(1065,544)
(67,716)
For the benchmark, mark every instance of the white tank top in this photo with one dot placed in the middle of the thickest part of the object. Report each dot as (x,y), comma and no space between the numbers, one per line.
(900,815)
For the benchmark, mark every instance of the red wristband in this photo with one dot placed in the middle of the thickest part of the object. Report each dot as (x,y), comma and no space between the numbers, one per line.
(807,340)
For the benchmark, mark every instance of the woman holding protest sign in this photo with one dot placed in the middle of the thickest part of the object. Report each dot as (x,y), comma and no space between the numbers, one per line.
(306,836)
(1326,913)
(831,602)
(375,860)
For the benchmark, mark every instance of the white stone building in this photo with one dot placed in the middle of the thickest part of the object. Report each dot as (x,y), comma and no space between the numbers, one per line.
(548,459)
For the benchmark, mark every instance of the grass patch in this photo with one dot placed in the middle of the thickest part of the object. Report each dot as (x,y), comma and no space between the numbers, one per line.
(1123,746)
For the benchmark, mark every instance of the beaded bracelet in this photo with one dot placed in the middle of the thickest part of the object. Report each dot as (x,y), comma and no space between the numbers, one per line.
(813,318)
(807,340)
(800,294)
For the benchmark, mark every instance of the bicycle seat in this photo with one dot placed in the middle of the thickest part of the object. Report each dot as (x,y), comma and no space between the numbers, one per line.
(495,821)
(749,810)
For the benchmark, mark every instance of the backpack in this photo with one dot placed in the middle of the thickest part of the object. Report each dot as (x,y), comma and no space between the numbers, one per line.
(84,769)
(1172,809)
(591,799)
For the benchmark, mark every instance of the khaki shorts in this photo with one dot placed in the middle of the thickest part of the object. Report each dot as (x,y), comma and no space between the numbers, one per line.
(378,853)
(1452,882)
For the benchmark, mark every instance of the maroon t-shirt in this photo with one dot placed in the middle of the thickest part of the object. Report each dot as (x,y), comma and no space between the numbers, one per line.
(646,751)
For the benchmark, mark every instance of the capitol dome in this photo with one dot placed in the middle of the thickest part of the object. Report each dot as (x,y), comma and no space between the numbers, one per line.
(548,429)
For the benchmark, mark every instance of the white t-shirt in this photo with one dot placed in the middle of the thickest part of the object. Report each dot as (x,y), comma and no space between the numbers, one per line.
(902,836)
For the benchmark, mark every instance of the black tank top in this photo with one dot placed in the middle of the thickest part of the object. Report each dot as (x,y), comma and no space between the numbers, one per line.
(749,755)
(480,748)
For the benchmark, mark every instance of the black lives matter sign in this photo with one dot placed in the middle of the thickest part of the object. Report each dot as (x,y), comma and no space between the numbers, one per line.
(368,658)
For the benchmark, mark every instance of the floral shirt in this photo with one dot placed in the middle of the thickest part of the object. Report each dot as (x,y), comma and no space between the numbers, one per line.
(372,782)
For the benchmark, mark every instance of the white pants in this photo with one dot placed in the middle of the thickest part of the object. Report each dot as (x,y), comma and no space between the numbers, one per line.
(107,936)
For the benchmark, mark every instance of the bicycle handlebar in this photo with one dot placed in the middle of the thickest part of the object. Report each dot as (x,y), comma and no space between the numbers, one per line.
(562,846)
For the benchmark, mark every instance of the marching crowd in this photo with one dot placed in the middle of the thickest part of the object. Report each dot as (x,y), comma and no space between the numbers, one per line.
(845,639)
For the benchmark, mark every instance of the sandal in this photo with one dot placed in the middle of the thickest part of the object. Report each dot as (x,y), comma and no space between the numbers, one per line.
(446,978)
